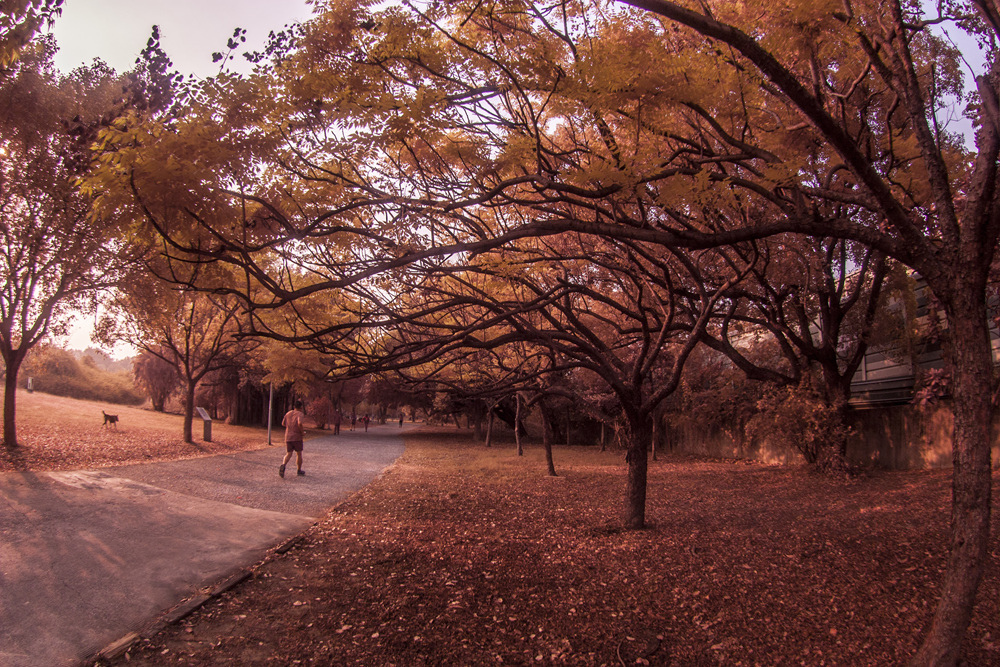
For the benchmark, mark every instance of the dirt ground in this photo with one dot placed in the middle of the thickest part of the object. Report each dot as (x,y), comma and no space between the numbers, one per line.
(463,555)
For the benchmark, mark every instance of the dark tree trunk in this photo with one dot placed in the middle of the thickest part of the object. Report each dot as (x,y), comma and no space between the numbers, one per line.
(548,434)
(655,436)
(638,465)
(10,402)
(189,410)
(831,453)
(517,425)
(970,518)
(550,464)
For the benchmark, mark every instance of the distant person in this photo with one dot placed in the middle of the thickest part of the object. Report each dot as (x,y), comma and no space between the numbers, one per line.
(366,419)
(294,432)
(400,420)
(336,422)
(354,420)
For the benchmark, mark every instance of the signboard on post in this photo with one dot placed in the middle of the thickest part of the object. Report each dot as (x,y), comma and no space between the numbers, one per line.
(207,421)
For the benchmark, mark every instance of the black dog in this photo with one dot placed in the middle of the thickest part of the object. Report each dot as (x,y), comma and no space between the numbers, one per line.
(110,419)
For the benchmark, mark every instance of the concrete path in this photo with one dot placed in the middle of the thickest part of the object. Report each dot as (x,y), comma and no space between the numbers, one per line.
(88,556)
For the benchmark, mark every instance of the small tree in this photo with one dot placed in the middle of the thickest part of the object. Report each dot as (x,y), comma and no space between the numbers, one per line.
(320,409)
(156,377)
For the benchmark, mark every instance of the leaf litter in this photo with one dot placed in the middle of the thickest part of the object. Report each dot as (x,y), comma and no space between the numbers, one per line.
(463,555)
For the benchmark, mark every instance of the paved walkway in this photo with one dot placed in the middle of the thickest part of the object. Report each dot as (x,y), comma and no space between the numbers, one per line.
(88,556)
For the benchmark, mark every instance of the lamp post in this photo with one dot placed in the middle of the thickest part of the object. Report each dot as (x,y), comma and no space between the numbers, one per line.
(270,411)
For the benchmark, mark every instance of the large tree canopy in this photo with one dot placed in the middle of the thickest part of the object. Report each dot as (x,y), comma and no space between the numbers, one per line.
(427,134)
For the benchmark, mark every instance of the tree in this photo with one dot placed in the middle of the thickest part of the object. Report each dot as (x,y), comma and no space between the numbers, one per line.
(401,132)
(19,21)
(605,308)
(54,255)
(192,332)
(155,376)
(820,303)
(951,223)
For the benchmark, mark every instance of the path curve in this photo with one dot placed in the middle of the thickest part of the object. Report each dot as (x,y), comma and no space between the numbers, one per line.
(88,556)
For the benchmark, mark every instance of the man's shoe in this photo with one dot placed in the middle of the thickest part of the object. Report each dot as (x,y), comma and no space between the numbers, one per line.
(301,472)
(281,470)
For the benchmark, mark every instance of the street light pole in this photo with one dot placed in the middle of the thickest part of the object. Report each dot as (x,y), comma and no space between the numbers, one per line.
(270,411)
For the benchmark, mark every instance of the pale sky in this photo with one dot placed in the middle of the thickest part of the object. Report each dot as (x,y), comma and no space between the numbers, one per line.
(190,30)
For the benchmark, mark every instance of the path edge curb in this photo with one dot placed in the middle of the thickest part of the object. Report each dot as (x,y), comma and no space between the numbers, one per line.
(185,608)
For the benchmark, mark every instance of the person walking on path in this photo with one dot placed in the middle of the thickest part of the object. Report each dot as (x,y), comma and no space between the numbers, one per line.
(365,419)
(336,422)
(294,433)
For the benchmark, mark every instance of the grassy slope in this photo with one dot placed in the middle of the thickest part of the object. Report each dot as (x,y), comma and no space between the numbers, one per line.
(57,433)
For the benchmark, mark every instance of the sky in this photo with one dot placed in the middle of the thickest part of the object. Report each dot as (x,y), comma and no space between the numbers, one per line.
(190,31)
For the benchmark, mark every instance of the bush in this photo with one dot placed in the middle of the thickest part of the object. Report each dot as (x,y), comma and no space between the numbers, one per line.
(320,409)
(57,371)
(800,417)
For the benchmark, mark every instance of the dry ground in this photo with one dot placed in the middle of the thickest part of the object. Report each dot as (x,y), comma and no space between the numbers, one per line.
(462,555)
(57,433)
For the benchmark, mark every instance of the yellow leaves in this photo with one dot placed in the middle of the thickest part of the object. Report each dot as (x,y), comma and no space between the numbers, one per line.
(628,61)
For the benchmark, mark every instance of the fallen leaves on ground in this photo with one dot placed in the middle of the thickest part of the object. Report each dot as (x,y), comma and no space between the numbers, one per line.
(59,433)
(463,555)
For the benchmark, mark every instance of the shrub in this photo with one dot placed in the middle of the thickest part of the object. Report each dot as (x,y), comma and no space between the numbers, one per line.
(320,409)
(799,416)
(57,371)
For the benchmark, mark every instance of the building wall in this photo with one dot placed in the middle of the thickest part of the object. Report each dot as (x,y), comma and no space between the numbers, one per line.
(900,437)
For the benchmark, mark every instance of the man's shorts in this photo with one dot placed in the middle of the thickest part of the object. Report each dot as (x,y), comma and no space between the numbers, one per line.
(294,446)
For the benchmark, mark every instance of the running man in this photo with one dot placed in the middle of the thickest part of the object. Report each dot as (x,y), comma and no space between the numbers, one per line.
(294,432)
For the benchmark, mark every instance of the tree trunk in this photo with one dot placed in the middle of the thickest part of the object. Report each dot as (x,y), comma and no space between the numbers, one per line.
(831,453)
(547,436)
(638,465)
(655,436)
(189,411)
(604,436)
(489,428)
(10,402)
(517,425)
(971,481)
(550,464)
